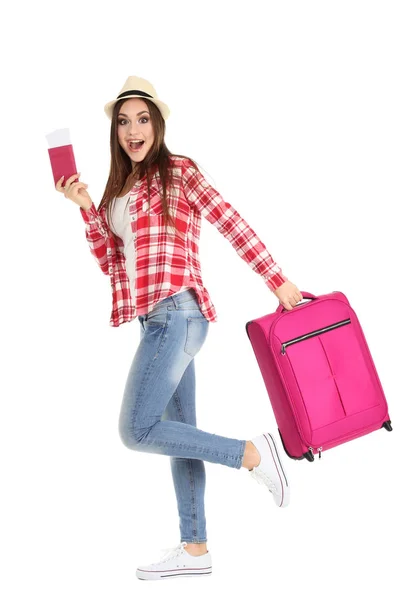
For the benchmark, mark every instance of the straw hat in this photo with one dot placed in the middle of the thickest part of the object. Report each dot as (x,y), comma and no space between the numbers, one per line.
(137,87)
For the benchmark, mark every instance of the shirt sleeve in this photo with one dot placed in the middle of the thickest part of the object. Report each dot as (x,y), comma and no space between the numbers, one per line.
(96,235)
(200,194)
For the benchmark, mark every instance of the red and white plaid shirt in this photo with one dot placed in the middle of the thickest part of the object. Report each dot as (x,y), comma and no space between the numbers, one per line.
(164,261)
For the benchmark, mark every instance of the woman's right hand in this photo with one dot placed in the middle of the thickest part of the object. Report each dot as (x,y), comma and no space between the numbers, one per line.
(75,191)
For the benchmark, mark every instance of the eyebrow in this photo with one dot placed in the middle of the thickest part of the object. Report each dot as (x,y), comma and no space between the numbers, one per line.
(139,113)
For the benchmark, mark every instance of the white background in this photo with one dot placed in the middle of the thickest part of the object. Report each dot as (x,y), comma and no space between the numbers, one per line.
(292,110)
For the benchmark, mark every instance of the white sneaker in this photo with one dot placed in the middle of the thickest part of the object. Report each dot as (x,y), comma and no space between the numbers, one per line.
(270,470)
(175,563)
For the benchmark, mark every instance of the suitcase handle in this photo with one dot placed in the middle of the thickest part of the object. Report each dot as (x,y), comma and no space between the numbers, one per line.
(306,295)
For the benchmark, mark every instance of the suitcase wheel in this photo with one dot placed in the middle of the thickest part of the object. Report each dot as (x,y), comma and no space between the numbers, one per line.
(309,456)
(387,425)
(289,455)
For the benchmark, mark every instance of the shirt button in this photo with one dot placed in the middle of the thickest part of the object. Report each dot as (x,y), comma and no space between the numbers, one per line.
(110,270)
(109,251)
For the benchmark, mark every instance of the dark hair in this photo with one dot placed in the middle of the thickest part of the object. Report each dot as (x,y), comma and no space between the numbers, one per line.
(157,157)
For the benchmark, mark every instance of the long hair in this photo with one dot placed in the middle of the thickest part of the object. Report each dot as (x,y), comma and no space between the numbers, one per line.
(157,157)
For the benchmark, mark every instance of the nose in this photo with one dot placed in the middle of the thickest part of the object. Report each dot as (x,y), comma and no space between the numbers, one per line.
(134,129)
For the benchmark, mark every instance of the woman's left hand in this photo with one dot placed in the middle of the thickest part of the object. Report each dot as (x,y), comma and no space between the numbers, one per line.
(288,294)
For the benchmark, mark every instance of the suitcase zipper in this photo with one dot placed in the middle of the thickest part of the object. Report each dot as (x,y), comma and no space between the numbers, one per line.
(319,450)
(313,333)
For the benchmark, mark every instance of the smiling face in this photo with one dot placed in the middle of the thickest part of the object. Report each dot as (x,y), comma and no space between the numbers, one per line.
(133,123)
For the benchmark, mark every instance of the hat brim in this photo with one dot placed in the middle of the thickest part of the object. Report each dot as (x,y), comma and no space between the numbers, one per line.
(108,109)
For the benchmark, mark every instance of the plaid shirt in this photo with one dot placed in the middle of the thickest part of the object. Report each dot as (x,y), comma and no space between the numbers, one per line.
(164,261)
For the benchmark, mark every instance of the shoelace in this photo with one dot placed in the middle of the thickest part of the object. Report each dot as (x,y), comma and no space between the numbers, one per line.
(172,552)
(261,477)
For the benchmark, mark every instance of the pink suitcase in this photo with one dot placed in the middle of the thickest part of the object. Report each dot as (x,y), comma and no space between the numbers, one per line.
(319,374)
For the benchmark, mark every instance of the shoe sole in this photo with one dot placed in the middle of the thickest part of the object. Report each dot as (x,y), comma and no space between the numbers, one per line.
(279,467)
(152,576)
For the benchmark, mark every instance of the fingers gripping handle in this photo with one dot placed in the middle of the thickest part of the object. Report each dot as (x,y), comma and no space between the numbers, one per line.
(306,295)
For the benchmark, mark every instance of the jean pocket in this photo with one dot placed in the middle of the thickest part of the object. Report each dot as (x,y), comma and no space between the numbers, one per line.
(196,333)
(157,319)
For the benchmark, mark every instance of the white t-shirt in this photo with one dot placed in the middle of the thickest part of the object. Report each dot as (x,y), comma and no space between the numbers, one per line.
(121,225)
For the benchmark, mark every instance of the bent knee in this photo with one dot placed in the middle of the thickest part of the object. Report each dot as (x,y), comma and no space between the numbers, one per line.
(131,437)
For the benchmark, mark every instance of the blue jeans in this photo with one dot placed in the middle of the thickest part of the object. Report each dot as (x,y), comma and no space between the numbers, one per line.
(158,412)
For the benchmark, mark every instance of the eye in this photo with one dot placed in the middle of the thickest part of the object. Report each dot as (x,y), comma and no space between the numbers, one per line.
(121,121)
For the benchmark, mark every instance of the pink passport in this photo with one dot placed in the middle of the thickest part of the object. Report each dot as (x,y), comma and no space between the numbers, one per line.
(61,154)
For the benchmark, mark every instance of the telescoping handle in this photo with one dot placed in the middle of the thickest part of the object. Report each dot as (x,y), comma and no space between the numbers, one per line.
(306,295)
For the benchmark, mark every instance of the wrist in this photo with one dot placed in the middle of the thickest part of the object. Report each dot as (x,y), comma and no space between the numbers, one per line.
(276,281)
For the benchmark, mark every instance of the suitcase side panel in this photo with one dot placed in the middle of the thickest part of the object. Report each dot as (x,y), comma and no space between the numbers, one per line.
(258,335)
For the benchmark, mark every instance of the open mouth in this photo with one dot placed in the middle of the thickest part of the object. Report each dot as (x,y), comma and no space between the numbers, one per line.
(134,146)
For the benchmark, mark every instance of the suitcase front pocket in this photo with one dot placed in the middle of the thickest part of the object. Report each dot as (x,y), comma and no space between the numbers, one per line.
(314,333)
(330,370)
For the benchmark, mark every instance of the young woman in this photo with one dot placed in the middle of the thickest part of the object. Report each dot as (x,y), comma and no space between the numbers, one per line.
(145,236)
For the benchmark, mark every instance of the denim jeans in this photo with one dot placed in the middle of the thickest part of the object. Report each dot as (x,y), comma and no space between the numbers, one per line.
(158,412)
